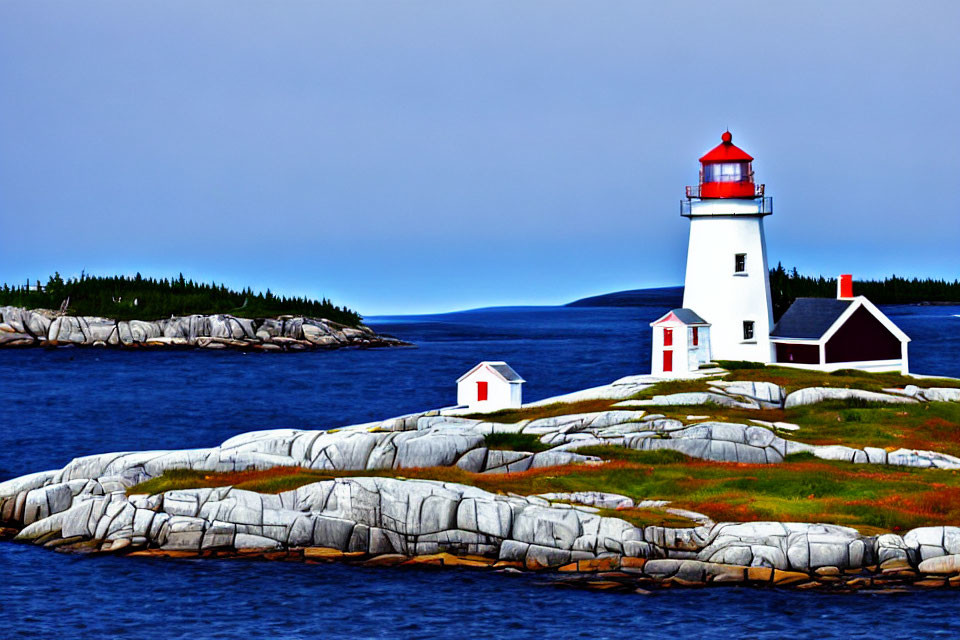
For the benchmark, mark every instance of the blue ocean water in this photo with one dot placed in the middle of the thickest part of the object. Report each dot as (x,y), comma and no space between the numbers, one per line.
(55,405)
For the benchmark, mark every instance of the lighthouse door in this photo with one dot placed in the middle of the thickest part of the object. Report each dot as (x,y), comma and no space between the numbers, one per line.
(667,360)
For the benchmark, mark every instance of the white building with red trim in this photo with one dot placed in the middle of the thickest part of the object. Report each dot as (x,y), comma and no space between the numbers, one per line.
(727,279)
(681,344)
(490,386)
(726,294)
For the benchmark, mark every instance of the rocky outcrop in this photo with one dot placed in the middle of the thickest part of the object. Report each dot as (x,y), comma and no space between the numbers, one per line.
(385,521)
(87,505)
(397,443)
(26,328)
(813,395)
(620,389)
(934,394)
(718,441)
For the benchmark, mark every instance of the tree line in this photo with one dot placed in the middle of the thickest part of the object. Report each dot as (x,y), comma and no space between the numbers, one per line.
(787,286)
(136,297)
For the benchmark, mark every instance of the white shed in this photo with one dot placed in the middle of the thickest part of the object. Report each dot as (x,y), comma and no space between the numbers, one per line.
(681,343)
(490,386)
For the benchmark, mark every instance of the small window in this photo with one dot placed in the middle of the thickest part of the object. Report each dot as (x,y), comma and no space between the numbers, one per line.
(748,329)
(739,263)
(668,337)
(481,390)
(695,336)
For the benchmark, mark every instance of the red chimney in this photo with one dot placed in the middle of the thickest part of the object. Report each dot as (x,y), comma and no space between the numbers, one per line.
(845,286)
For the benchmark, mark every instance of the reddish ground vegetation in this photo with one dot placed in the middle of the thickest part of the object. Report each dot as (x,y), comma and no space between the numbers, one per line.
(868,497)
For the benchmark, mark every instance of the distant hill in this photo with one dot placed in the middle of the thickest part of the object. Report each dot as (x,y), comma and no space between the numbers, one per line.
(788,285)
(666,297)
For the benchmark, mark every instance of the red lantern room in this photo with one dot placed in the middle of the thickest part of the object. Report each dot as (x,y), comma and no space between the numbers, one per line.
(726,171)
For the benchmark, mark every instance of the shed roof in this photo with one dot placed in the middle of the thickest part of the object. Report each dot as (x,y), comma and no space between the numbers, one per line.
(810,318)
(502,369)
(683,316)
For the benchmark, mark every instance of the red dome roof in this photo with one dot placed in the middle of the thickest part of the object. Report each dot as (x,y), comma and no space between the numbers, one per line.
(726,151)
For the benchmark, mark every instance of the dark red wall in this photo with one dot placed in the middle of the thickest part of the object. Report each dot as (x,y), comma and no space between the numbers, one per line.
(798,353)
(862,337)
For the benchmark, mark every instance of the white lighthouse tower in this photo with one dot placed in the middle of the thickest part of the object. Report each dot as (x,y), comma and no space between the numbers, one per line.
(727,280)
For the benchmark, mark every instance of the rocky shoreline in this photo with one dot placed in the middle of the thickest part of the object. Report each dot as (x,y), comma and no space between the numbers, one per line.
(92,505)
(21,327)
(390,522)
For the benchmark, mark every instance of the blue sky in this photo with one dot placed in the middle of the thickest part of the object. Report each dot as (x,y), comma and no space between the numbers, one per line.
(428,156)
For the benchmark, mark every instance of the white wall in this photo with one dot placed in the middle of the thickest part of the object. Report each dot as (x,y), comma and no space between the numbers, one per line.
(699,354)
(686,358)
(500,394)
(713,291)
(865,365)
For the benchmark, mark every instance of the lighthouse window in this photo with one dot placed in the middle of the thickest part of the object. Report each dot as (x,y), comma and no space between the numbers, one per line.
(748,329)
(725,172)
(739,263)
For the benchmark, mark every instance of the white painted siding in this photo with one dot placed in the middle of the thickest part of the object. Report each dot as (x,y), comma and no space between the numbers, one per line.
(500,393)
(718,295)
(699,354)
(686,357)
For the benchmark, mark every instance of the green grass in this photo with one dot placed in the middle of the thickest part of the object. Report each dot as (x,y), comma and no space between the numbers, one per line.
(515,442)
(553,410)
(668,387)
(793,379)
(648,517)
(933,426)
(273,480)
(871,498)
(622,454)
(930,425)
(736,365)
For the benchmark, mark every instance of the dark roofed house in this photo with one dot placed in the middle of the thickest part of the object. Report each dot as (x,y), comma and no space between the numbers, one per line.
(848,332)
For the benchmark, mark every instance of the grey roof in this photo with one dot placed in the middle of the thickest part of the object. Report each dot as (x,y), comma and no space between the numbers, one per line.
(499,367)
(507,372)
(809,318)
(688,316)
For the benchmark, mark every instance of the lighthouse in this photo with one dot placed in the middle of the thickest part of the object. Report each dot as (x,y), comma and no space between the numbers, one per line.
(727,280)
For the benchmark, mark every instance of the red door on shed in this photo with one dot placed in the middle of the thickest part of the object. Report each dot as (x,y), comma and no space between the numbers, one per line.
(481,390)
(667,360)
(668,337)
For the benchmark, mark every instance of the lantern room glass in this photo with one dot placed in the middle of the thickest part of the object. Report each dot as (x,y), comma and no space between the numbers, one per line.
(727,172)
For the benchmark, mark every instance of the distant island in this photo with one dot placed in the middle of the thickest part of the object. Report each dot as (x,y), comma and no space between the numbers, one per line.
(788,285)
(137,312)
(139,298)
